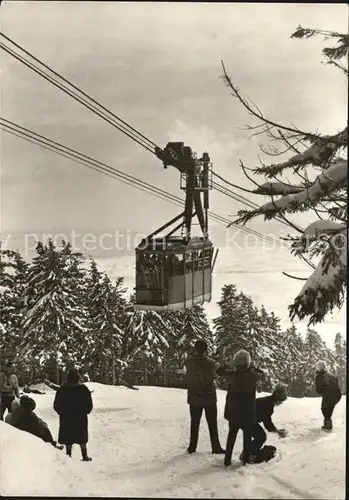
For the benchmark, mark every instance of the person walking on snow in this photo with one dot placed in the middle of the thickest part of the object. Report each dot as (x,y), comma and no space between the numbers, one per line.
(73,403)
(201,395)
(327,385)
(264,411)
(240,406)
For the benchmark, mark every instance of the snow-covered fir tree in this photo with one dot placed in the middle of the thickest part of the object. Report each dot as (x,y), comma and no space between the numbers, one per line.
(267,347)
(317,167)
(53,326)
(190,325)
(186,326)
(291,366)
(106,303)
(230,327)
(13,274)
(340,353)
(314,349)
(144,339)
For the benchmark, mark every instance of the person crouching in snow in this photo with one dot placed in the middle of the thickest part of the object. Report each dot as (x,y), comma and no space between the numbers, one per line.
(201,373)
(327,385)
(73,402)
(24,419)
(264,410)
(240,406)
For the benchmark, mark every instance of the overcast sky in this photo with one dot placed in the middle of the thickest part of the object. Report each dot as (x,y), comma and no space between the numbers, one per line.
(157,65)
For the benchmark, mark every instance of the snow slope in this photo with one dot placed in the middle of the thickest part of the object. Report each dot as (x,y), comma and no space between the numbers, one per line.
(138,443)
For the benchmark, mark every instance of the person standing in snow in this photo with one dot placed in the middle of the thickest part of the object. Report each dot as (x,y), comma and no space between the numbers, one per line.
(327,385)
(9,388)
(240,406)
(264,410)
(73,403)
(24,419)
(201,395)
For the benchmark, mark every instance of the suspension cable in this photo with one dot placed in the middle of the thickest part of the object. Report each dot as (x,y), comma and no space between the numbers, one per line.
(131,132)
(85,160)
(81,91)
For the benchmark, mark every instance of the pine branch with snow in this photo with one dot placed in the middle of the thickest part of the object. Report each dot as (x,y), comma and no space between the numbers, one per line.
(318,167)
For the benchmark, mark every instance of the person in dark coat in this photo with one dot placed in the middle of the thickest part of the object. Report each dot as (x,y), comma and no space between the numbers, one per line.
(327,385)
(201,395)
(240,406)
(24,419)
(264,411)
(73,402)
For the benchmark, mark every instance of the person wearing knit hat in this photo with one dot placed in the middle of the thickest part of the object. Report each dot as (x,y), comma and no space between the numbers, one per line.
(264,411)
(327,385)
(279,394)
(240,406)
(201,396)
(242,359)
(320,366)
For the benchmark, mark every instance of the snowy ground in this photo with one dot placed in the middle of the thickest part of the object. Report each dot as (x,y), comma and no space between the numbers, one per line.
(138,443)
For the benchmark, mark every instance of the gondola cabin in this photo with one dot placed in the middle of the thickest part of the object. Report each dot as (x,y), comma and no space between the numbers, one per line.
(173,273)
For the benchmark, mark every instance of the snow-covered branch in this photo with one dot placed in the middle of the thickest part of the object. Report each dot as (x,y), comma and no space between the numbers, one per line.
(277,188)
(324,289)
(334,178)
(319,170)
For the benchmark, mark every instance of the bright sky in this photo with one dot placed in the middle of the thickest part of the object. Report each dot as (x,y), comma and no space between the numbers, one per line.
(157,65)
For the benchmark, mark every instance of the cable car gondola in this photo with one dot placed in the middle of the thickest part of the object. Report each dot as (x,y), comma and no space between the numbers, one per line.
(175,272)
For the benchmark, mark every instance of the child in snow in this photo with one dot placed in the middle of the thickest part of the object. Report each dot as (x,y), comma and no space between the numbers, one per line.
(201,373)
(9,388)
(73,402)
(327,385)
(240,406)
(264,410)
(24,419)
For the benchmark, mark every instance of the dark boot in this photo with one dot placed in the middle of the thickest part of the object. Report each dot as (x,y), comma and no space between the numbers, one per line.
(249,458)
(328,424)
(68,449)
(85,457)
(218,451)
(191,449)
(58,446)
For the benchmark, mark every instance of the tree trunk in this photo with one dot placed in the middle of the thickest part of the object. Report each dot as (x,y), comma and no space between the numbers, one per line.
(57,373)
(165,373)
(113,368)
(106,372)
(145,377)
